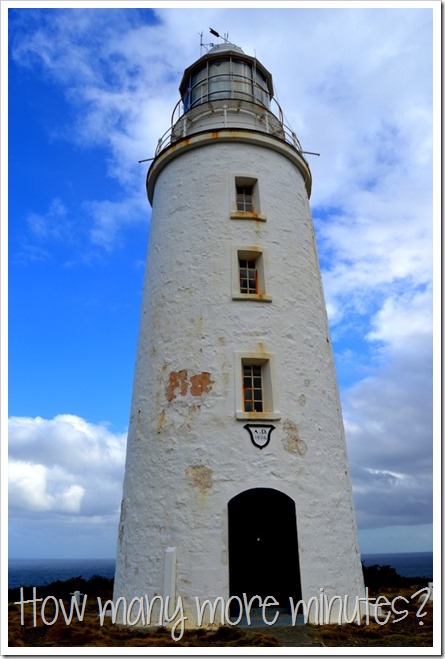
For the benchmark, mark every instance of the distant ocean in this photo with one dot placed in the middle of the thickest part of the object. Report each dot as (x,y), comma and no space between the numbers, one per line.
(416,564)
(40,572)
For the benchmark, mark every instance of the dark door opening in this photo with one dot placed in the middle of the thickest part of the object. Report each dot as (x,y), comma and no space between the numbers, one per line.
(263,546)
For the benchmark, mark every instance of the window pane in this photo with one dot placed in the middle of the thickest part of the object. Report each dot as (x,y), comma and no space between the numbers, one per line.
(244,197)
(252,388)
(248,276)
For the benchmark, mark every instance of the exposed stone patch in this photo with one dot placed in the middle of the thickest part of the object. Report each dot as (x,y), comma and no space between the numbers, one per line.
(176,380)
(201,384)
(200,477)
(292,442)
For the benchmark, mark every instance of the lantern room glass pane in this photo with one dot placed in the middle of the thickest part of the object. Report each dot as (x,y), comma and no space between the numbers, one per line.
(219,79)
(260,87)
(242,80)
(198,89)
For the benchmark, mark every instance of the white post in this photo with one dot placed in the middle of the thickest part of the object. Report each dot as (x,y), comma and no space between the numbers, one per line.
(170,578)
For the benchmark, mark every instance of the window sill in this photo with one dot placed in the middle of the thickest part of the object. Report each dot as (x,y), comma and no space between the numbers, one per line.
(258,416)
(252,297)
(245,215)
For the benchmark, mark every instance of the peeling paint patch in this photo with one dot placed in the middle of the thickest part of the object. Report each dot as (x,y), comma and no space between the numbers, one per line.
(302,399)
(292,442)
(176,380)
(200,477)
(201,384)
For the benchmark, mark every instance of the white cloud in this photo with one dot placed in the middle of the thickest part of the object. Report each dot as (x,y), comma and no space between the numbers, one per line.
(405,320)
(27,485)
(35,487)
(52,225)
(65,465)
(55,226)
(110,218)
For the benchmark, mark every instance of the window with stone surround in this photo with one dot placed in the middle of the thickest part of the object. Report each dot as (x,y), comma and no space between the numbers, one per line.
(249,274)
(245,199)
(254,386)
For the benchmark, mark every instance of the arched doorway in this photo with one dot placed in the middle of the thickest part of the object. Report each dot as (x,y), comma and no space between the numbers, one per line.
(263,546)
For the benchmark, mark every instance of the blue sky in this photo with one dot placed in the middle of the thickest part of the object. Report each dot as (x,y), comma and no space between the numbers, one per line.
(90,92)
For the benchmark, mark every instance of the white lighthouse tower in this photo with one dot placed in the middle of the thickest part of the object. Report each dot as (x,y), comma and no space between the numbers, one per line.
(236,476)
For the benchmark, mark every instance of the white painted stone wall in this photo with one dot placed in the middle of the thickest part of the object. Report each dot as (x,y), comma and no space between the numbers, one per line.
(187,453)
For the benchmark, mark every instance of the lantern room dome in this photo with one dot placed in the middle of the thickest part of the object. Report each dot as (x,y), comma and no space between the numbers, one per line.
(225,46)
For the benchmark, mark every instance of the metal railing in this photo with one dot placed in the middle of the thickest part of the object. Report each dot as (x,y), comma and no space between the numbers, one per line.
(181,126)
